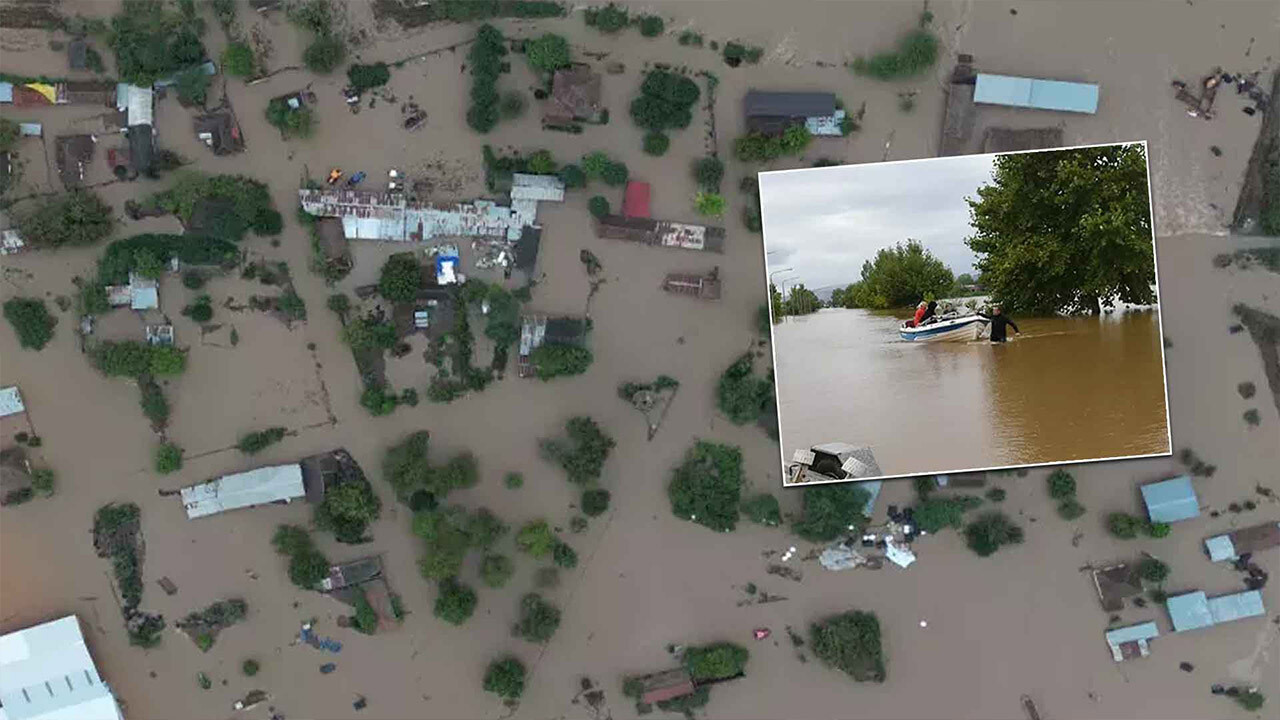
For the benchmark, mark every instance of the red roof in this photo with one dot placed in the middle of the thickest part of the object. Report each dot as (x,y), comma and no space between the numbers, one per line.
(670,692)
(636,201)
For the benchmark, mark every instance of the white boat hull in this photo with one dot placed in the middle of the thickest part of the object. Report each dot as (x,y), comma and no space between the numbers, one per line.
(962,329)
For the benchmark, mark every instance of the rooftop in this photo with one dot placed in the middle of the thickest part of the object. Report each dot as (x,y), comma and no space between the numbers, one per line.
(46,673)
(1131,641)
(635,202)
(1194,610)
(575,93)
(1171,500)
(796,105)
(1035,93)
(11,401)
(246,489)
(525,186)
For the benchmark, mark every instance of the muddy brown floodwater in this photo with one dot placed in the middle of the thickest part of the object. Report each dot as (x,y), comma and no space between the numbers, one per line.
(1023,622)
(1065,389)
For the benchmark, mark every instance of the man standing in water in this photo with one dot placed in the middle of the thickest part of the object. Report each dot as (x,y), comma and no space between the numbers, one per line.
(998,323)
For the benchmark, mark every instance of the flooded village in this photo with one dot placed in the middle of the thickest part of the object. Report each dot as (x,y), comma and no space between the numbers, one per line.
(356,409)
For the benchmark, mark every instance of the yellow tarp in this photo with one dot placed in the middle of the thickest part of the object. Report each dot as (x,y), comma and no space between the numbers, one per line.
(48,91)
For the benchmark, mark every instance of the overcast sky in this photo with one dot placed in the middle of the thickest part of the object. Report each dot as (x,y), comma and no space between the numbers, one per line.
(825,222)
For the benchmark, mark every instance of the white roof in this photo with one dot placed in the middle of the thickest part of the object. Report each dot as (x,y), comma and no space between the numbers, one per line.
(1220,548)
(255,487)
(139,101)
(46,673)
(11,401)
(536,187)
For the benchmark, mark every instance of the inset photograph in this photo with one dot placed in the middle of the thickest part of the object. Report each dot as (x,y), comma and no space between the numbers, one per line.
(967,313)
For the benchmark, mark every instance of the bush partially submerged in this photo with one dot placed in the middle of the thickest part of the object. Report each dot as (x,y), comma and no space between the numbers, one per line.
(917,51)
(258,440)
(505,678)
(829,511)
(763,509)
(31,321)
(850,643)
(715,662)
(990,531)
(583,453)
(707,487)
(307,565)
(79,217)
(168,458)
(539,619)
(455,602)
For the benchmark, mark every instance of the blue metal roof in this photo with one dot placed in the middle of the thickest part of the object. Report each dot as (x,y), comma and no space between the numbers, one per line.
(1036,93)
(6,92)
(1171,500)
(1189,611)
(1141,631)
(1236,606)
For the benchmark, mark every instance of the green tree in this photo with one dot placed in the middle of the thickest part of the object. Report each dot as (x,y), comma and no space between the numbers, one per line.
(539,619)
(666,101)
(656,143)
(193,86)
(1123,525)
(401,278)
(707,487)
(609,19)
(168,458)
(599,206)
(1070,509)
(238,59)
(1153,570)
(541,162)
(347,509)
(548,53)
(405,465)
(901,276)
(445,540)
(651,26)
(31,321)
(455,602)
(362,334)
(583,454)
(325,54)
(741,394)
(917,51)
(367,77)
(78,217)
(937,512)
(249,667)
(1066,231)
(719,661)
(990,531)
(496,570)
(551,360)
(257,441)
(710,204)
(850,642)
(709,171)
(615,174)
(763,509)
(10,131)
(829,511)
(42,481)
(536,539)
(563,555)
(595,502)
(573,177)
(801,301)
(505,678)
(151,41)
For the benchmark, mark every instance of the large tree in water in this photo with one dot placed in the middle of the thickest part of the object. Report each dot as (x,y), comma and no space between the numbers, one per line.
(1066,231)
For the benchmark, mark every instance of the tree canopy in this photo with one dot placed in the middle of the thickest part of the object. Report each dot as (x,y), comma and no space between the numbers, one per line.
(850,642)
(456,602)
(347,510)
(707,487)
(716,662)
(1066,231)
(79,217)
(548,53)
(583,453)
(150,41)
(31,321)
(539,619)
(828,511)
(742,395)
(900,276)
(666,101)
(401,278)
(505,678)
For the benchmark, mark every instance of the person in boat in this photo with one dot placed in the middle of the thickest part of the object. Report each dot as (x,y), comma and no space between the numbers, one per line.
(999,321)
(930,312)
(919,316)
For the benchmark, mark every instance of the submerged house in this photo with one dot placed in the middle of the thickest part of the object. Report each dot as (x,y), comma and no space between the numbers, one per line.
(665,233)
(1035,93)
(13,416)
(635,201)
(539,330)
(705,286)
(1171,500)
(140,294)
(274,484)
(1230,546)
(771,113)
(1195,610)
(47,673)
(666,685)
(1115,584)
(389,216)
(575,96)
(1130,642)
(219,132)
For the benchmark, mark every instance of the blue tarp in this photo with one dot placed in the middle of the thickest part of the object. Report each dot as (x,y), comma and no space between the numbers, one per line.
(1171,500)
(1036,93)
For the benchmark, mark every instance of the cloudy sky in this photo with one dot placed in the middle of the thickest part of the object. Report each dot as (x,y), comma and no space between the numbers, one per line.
(824,222)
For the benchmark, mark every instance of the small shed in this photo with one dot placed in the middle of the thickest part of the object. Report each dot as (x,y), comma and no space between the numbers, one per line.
(72,154)
(353,572)
(575,95)
(1171,500)
(218,131)
(1247,540)
(278,483)
(665,685)
(1130,642)
(6,92)
(635,202)
(141,147)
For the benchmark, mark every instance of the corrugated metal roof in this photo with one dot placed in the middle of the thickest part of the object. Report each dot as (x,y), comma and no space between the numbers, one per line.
(1236,606)
(536,187)
(11,401)
(789,104)
(1141,631)
(1189,611)
(46,673)
(139,104)
(1036,93)
(255,487)
(1171,500)
(1220,548)
(6,92)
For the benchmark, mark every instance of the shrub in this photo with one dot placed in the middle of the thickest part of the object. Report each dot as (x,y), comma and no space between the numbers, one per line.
(168,458)
(829,511)
(917,51)
(324,54)
(996,494)
(150,41)
(193,279)
(757,147)
(31,321)
(741,395)
(599,206)
(573,177)
(78,217)
(615,174)
(763,509)
(193,86)
(656,143)
(583,454)
(850,643)
(1070,509)
(348,509)
(307,565)
(547,53)
(267,222)
(201,310)
(1123,525)
(362,335)
(513,480)
(991,530)
(541,163)
(1061,485)
(1158,529)
(496,570)
(42,481)
(238,59)
(536,539)
(551,360)
(577,524)
(1153,570)
(594,164)
(340,304)
(401,278)
(564,556)
(292,122)
(378,401)
(707,486)
(513,104)
(455,602)
(505,678)
(689,37)
(666,101)
(366,618)
(708,171)
(154,405)
(595,502)
(715,662)
(1251,700)
(710,204)
(538,620)
(651,26)
(735,53)
(249,667)
(367,77)
(608,19)
(254,442)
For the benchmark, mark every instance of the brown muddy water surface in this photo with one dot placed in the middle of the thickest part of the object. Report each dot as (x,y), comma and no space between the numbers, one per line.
(1065,389)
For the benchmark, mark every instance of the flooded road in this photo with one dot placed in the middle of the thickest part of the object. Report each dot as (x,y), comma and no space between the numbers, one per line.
(1066,389)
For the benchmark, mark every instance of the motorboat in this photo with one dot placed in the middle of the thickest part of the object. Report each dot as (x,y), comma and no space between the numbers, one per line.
(946,328)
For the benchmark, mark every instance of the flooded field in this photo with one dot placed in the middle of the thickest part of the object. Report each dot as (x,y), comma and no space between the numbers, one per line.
(1065,389)
(1025,622)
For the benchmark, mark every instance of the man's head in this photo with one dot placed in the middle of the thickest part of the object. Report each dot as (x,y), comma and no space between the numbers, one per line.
(995,310)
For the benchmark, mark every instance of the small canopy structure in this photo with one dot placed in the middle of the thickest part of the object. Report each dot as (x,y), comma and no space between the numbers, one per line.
(256,487)
(1171,500)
